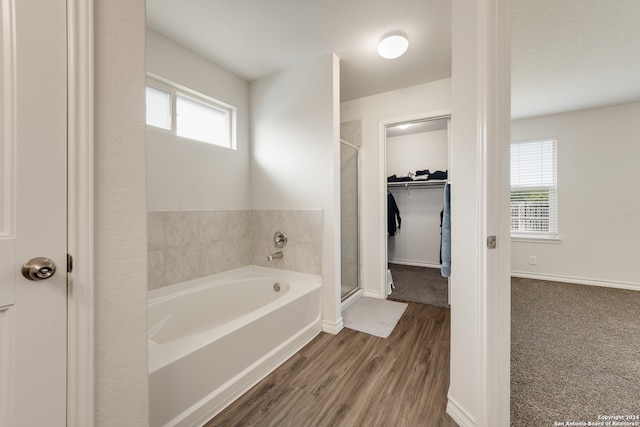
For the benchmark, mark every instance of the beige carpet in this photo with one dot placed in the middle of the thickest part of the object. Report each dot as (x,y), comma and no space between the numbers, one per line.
(575,353)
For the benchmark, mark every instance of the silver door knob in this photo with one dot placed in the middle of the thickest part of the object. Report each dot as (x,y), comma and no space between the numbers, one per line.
(40,268)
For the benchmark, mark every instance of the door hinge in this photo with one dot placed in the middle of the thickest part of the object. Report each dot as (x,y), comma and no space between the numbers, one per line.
(491,242)
(69,263)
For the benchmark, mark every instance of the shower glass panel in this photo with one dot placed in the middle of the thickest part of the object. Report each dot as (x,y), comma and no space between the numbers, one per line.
(349,218)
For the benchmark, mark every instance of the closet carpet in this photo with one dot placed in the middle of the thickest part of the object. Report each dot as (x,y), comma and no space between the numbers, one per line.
(419,284)
(575,353)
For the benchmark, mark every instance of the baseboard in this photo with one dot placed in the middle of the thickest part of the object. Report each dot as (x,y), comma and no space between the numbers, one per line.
(331,327)
(458,414)
(578,280)
(415,263)
(372,294)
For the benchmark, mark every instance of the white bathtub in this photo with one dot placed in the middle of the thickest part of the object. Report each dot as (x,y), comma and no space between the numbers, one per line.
(213,338)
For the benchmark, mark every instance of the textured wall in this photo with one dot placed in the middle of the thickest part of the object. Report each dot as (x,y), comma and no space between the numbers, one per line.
(296,157)
(121,366)
(183,174)
(598,154)
(408,103)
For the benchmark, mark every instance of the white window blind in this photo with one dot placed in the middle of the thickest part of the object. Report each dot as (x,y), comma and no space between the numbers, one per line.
(534,188)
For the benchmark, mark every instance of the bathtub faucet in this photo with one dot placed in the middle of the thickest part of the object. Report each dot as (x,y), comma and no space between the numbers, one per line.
(277,255)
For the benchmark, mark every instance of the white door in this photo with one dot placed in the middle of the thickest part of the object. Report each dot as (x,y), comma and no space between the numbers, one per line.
(33,144)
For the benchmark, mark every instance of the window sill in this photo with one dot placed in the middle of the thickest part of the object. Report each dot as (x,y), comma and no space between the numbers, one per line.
(537,239)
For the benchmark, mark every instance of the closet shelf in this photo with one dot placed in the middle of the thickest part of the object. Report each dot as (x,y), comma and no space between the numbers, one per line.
(413,184)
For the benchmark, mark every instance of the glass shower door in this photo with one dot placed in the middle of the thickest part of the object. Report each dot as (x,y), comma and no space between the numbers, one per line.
(349,218)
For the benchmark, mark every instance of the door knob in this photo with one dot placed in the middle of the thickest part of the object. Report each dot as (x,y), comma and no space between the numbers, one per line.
(39,268)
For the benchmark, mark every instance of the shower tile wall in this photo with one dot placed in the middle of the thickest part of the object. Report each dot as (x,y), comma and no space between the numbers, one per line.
(185,245)
(352,132)
(303,252)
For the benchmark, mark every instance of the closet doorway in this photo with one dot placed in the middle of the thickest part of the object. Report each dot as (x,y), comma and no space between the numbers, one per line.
(417,169)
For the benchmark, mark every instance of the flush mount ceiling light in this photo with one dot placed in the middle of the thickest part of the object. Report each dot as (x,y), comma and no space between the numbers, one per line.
(393,45)
(404,126)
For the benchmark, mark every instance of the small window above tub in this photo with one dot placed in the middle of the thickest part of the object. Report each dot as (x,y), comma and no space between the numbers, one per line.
(188,114)
(158,108)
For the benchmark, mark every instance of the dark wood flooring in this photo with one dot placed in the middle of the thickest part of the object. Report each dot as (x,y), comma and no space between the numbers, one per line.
(355,379)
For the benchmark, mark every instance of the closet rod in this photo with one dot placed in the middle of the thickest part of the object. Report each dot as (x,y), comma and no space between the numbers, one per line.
(417,184)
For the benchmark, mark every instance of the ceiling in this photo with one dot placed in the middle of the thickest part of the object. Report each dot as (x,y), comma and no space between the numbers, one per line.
(256,38)
(574,54)
(567,54)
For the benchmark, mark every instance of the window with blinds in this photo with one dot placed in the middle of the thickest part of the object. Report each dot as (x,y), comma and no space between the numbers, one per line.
(534,189)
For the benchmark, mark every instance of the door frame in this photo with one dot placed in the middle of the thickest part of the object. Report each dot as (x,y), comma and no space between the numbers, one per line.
(80,243)
(382,189)
(479,390)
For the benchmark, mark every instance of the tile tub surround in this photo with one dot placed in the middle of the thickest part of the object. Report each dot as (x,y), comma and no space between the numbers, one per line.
(303,228)
(185,245)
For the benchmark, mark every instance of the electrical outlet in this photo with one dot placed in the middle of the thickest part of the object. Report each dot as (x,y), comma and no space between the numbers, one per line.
(532,260)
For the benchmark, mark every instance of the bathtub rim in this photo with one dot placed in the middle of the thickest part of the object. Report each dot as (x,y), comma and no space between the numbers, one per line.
(249,271)
(199,413)
(161,355)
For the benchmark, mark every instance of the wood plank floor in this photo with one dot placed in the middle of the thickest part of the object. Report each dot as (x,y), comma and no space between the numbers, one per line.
(355,379)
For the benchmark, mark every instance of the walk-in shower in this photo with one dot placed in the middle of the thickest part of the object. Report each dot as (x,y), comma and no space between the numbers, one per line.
(349,218)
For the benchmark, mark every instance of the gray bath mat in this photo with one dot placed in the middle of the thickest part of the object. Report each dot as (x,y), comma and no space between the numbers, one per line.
(373,316)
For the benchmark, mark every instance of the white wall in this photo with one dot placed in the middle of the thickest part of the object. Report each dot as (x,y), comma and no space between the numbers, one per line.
(464,376)
(417,151)
(480,289)
(418,241)
(295,158)
(409,103)
(121,367)
(191,175)
(598,206)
